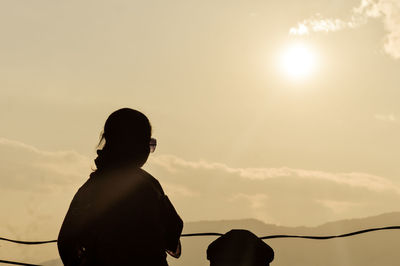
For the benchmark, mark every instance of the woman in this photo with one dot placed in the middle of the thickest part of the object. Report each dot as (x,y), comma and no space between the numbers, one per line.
(121,215)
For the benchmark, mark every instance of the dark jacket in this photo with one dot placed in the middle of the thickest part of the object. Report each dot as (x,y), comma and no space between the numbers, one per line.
(119,217)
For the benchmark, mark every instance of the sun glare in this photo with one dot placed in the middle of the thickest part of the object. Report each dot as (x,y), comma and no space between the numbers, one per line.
(298,61)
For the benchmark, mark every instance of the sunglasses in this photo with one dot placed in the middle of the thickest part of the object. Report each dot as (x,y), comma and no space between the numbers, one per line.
(153,144)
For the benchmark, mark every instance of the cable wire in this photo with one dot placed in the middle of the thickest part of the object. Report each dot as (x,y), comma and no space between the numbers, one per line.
(28,242)
(219,234)
(210,234)
(334,236)
(17,263)
(202,234)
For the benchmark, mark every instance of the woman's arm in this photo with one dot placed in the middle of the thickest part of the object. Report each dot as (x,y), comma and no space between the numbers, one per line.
(173,225)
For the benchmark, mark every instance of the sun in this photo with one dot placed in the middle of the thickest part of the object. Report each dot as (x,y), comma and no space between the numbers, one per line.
(298,61)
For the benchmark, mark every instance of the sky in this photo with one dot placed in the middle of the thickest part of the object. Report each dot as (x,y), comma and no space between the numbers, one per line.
(238,135)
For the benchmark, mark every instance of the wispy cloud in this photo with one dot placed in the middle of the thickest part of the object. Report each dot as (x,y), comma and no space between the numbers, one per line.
(36,187)
(212,190)
(256,201)
(339,206)
(355,179)
(320,24)
(256,204)
(387,10)
(25,165)
(41,184)
(179,190)
(391,118)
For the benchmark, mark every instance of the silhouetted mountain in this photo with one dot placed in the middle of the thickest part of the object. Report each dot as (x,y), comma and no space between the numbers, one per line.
(371,249)
(375,248)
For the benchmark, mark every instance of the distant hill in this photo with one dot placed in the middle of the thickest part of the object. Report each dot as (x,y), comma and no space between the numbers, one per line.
(371,249)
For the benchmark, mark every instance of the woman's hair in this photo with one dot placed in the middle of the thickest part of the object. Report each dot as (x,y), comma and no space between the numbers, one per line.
(124,140)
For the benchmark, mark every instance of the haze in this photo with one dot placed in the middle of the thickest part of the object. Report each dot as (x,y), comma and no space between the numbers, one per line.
(236,138)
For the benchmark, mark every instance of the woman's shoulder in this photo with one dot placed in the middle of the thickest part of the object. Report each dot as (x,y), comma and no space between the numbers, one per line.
(151,180)
(121,177)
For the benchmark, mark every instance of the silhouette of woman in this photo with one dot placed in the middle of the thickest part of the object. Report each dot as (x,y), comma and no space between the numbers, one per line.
(121,215)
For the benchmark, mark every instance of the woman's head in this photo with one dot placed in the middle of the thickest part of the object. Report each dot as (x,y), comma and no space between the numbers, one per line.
(125,139)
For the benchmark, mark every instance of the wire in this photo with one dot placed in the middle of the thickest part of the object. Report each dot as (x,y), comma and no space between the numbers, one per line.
(17,263)
(210,234)
(202,234)
(219,234)
(28,242)
(306,237)
(334,236)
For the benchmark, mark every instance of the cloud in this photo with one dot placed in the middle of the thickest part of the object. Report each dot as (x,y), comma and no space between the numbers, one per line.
(387,10)
(354,179)
(288,196)
(179,190)
(339,206)
(256,205)
(24,166)
(318,24)
(256,201)
(391,118)
(36,187)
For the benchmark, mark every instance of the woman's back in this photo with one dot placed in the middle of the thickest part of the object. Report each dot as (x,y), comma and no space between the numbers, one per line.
(114,219)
